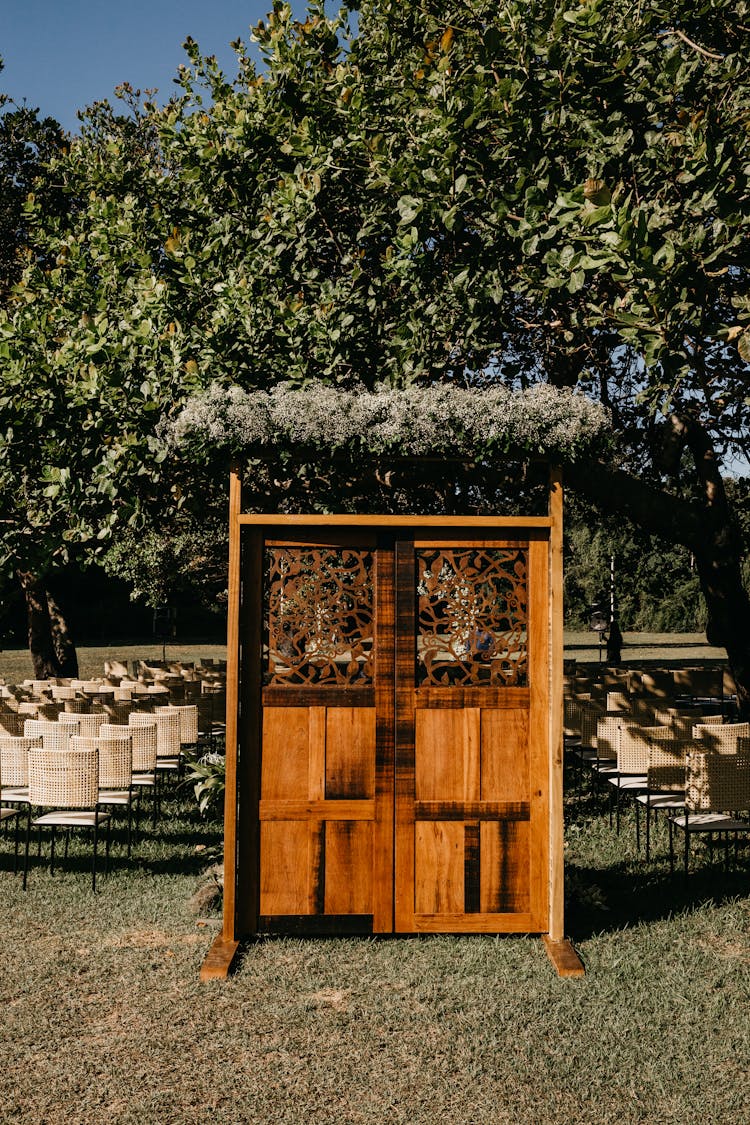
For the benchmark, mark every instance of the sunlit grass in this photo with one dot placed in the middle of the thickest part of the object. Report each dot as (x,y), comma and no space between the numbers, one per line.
(105,1020)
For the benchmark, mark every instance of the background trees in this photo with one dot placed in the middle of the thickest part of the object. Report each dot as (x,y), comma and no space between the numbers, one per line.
(459,192)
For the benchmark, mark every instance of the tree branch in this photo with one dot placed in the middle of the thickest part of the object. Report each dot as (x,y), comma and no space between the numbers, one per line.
(696,47)
(658,512)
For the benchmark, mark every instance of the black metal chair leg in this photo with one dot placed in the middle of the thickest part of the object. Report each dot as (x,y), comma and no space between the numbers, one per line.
(15,843)
(93,861)
(52,853)
(26,849)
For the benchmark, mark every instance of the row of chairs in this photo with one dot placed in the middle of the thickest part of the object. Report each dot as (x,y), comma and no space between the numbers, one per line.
(701,684)
(697,772)
(80,768)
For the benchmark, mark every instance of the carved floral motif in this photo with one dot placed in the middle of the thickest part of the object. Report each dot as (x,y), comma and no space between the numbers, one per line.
(472,616)
(319,616)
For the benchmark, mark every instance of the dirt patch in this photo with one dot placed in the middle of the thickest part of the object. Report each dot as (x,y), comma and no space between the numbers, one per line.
(334,998)
(728,949)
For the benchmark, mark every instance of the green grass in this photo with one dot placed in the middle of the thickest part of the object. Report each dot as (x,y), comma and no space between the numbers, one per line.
(105,1020)
(15,663)
(639,648)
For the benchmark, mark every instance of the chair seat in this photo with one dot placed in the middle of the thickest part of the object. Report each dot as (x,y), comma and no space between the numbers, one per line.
(14,794)
(142,779)
(168,763)
(629,781)
(115,797)
(710,822)
(662,800)
(5,813)
(605,767)
(73,818)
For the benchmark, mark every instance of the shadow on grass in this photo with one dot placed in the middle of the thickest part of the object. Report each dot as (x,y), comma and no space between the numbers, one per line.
(603,900)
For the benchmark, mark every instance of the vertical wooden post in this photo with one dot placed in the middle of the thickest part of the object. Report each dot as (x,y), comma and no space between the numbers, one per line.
(218,960)
(233,653)
(556,854)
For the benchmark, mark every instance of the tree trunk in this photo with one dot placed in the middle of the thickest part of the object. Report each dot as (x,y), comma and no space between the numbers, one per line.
(62,642)
(41,647)
(52,651)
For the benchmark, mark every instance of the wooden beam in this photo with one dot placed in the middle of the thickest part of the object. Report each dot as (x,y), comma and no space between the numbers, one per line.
(270,519)
(556,841)
(220,959)
(233,675)
(564,957)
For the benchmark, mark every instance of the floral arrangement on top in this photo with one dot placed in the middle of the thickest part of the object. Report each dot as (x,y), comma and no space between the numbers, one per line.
(434,420)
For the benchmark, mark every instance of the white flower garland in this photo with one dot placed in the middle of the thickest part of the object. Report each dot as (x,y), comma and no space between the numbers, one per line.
(436,420)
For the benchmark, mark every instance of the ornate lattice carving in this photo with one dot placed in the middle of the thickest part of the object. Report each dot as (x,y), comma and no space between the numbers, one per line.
(472,616)
(319,616)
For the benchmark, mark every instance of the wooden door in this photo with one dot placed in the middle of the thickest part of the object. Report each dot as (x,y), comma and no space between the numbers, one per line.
(404,737)
(326,778)
(472,683)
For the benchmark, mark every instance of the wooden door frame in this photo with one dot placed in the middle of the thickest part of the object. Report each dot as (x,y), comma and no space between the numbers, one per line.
(246,536)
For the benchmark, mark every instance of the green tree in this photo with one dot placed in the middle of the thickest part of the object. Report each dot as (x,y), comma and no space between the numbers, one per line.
(457,193)
(27,145)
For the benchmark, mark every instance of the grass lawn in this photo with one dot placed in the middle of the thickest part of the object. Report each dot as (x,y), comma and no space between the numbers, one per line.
(638,649)
(15,663)
(104,1019)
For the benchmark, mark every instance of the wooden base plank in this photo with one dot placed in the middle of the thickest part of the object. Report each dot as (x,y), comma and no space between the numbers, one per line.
(564,957)
(217,964)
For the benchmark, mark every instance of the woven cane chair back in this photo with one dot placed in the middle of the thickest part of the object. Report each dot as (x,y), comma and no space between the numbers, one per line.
(667,762)
(11,723)
(188,715)
(608,732)
(115,758)
(721,738)
(634,747)
(717,782)
(14,759)
(64,779)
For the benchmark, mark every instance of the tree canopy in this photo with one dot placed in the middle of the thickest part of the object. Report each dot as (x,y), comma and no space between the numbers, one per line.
(461,193)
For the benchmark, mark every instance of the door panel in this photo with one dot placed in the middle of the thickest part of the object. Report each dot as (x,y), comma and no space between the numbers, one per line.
(318,749)
(472,676)
(403,772)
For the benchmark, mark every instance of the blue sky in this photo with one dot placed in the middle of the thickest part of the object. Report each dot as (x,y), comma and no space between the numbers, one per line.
(61,55)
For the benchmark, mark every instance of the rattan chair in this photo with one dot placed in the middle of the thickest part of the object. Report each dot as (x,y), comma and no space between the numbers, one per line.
(14,767)
(168,747)
(188,715)
(11,723)
(608,728)
(8,813)
(665,777)
(143,747)
(67,783)
(632,746)
(87,725)
(115,771)
(716,792)
(721,738)
(37,728)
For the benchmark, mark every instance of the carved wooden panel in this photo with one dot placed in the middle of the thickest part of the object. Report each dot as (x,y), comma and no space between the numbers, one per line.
(318,626)
(472,616)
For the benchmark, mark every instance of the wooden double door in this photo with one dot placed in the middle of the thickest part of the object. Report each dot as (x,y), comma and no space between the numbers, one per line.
(402,757)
